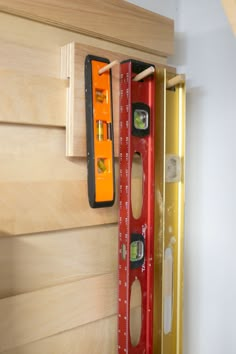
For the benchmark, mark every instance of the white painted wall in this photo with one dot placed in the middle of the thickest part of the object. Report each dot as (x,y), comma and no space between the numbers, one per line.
(206,52)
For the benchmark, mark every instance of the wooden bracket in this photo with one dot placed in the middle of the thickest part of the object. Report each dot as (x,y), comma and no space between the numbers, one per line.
(176,80)
(72,67)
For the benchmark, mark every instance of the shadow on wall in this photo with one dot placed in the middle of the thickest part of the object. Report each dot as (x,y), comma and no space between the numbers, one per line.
(194,198)
(207,55)
(180,50)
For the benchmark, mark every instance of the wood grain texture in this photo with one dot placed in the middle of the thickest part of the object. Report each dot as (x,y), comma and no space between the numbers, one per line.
(230,10)
(98,337)
(26,57)
(31,207)
(41,100)
(42,190)
(30,99)
(36,315)
(115,21)
(33,316)
(61,286)
(36,154)
(28,207)
(30,65)
(73,59)
(34,48)
(56,258)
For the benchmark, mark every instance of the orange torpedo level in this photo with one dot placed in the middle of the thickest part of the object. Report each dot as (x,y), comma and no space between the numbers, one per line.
(99,129)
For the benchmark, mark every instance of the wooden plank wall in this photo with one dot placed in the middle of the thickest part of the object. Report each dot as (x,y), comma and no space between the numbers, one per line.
(115,21)
(58,257)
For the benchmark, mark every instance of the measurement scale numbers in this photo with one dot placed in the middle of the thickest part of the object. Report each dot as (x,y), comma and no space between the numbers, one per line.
(136,235)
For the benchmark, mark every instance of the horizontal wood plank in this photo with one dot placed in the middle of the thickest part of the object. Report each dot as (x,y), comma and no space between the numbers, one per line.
(42,190)
(44,206)
(29,99)
(27,57)
(56,258)
(43,100)
(32,207)
(99,337)
(36,315)
(35,48)
(30,153)
(33,316)
(115,21)
(94,338)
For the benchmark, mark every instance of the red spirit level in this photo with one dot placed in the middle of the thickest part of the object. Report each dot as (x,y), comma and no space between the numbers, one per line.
(99,130)
(136,236)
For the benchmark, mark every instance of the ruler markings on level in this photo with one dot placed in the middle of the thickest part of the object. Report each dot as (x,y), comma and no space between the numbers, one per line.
(136,235)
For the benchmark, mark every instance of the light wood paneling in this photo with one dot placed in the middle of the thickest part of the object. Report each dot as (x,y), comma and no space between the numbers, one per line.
(74,55)
(30,99)
(41,189)
(28,207)
(115,21)
(36,154)
(31,207)
(98,337)
(30,317)
(26,57)
(59,289)
(35,48)
(41,100)
(56,258)
(36,315)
